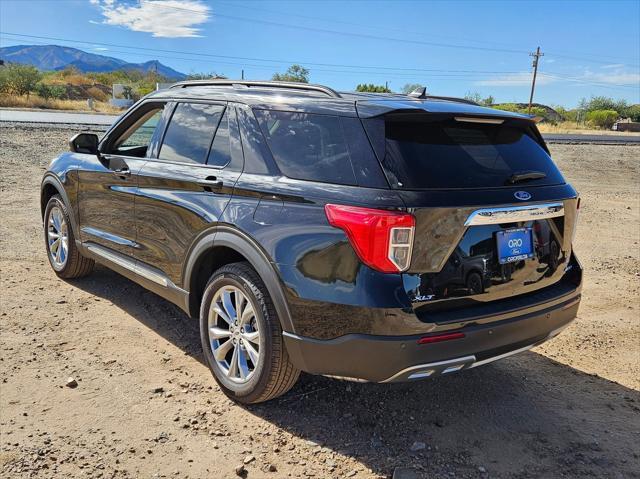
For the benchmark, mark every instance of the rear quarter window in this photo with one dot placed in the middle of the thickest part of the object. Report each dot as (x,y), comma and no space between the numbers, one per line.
(308,146)
(420,153)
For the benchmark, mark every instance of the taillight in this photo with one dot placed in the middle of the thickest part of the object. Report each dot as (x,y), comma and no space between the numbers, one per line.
(575,222)
(382,239)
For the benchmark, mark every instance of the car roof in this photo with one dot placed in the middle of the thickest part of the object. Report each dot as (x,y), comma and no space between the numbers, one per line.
(309,98)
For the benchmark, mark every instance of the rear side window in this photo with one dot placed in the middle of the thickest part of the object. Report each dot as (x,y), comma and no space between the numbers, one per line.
(423,154)
(308,146)
(220,154)
(190,132)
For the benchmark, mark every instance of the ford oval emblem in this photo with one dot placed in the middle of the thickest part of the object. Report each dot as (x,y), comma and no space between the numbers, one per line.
(522,195)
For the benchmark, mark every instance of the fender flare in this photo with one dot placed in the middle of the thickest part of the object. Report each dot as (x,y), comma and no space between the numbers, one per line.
(51,179)
(229,237)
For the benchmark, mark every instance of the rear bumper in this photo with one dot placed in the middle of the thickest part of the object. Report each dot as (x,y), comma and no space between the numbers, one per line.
(401,358)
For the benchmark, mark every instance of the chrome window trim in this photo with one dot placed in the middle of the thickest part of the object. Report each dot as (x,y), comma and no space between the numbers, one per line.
(514,214)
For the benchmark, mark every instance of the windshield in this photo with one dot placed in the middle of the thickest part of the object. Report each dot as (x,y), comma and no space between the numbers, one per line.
(422,153)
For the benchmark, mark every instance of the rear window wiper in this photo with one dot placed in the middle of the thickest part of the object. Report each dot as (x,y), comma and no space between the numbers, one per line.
(520,176)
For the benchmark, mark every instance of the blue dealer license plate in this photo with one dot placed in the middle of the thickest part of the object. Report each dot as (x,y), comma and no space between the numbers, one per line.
(514,245)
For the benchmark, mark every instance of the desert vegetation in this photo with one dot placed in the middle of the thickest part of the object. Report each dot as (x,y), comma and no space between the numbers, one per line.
(24,86)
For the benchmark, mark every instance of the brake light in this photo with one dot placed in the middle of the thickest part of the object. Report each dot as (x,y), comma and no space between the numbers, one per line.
(382,239)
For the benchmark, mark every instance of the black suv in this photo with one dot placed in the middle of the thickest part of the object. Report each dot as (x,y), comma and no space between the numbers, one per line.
(363,236)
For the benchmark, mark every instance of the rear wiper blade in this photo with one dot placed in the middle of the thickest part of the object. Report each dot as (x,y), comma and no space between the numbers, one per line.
(520,176)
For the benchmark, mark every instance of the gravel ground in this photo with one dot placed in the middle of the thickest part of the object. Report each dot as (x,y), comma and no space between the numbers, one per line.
(146,406)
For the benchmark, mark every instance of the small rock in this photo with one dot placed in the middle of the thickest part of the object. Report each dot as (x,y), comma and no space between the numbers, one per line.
(272,468)
(241,471)
(157,390)
(249,459)
(482,469)
(418,446)
(352,473)
(71,383)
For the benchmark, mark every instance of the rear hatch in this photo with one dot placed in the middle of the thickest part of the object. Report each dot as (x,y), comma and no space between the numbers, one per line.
(494,216)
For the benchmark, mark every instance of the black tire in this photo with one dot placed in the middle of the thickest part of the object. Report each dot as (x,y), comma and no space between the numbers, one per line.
(474,283)
(275,374)
(75,265)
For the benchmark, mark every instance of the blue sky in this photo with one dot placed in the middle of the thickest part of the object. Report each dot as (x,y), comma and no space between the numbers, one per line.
(452,47)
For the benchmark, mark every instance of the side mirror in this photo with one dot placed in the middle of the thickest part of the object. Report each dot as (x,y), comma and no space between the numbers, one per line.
(84,143)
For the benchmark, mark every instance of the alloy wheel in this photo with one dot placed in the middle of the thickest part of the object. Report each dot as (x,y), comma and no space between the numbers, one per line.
(234,336)
(57,237)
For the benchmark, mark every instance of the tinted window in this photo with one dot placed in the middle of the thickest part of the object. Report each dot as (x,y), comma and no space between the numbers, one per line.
(307,146)
(257,158)
(220,154)
(137,137)
(421,154)
(190,132)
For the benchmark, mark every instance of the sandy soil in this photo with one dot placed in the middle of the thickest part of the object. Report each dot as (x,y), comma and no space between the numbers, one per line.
(146,406)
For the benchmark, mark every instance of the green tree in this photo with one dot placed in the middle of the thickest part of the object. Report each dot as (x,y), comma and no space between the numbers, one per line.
(602,118)
(475,97)
(409,87)
(633,112)
(604,103)
(206,76)
(370,87)
(19,79)
(295,73)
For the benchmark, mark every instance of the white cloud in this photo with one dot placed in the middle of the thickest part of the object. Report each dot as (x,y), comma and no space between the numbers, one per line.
(161,18)
(515,79)
(617,74)
(614,65)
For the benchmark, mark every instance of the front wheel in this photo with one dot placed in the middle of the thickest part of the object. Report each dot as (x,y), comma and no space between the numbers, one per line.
(242,338)
(63,254)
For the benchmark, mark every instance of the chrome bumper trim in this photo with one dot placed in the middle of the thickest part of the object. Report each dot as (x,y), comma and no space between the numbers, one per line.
(514,214)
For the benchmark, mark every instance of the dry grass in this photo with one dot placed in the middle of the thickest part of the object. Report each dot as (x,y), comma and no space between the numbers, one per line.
(34,101)
(573,128)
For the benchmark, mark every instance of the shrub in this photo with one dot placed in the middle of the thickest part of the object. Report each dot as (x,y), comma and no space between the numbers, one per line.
(57,92)
(602,118)
(19,79)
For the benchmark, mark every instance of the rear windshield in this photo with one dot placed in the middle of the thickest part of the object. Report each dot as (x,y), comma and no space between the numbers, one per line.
(422,154)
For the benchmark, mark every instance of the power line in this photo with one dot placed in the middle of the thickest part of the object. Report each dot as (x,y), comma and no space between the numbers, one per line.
(452,75)
(281,62)
(387,28)
(378,37)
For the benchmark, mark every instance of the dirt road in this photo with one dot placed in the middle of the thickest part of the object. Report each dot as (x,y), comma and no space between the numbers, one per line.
(146,406)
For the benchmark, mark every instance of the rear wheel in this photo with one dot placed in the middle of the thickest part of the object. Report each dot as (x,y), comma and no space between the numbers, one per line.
(62,252)
(242,338)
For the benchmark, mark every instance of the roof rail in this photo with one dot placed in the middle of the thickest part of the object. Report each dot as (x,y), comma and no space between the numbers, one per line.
(268,84)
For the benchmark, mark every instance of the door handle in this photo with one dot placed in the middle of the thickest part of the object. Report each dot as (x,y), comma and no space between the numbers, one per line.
(210,183)
(124,171)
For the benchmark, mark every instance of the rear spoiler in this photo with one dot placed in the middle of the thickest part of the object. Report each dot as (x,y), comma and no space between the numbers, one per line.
(373,108)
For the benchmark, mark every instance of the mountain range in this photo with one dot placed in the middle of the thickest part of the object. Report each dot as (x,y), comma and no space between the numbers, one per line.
(56,57)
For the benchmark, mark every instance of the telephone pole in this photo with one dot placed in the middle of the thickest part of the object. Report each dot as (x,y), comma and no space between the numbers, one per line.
(536,57)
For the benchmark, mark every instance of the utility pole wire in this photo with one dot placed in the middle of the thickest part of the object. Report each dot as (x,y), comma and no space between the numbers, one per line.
(536,57)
